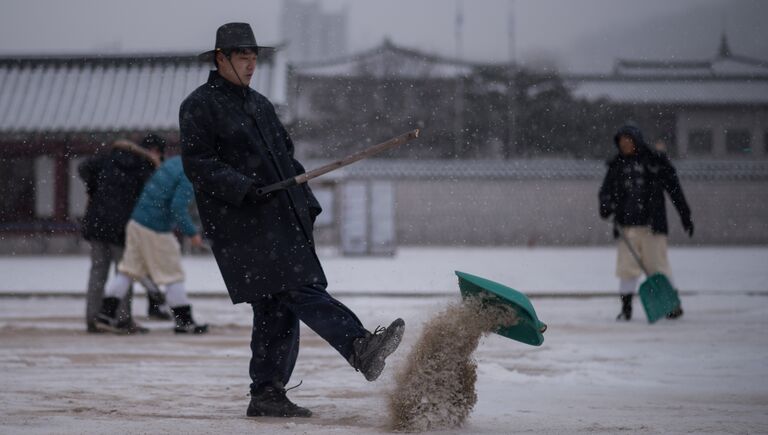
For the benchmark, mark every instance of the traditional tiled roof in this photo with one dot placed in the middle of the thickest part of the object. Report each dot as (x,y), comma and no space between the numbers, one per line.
(719,67)
(726,79)
(55,94)
(654,90)
(389,60)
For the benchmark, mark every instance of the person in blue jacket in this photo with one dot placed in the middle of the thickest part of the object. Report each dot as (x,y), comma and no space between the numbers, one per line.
(151,248)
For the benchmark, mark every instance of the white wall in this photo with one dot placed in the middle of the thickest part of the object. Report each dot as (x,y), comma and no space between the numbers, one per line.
(719,121)
(44,186)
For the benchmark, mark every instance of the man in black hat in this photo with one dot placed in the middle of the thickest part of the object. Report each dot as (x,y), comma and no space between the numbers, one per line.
(233,143)
(113,183)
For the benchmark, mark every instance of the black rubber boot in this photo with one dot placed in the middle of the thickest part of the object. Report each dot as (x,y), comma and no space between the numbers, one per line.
(184,322)
(371,351)
(271,401)
(157,309)
(676,314)
(626,308)
(106,320)
(91,327)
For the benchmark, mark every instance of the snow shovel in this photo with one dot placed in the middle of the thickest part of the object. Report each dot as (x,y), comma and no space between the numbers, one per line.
(529,328)
(352,158)
(657,294)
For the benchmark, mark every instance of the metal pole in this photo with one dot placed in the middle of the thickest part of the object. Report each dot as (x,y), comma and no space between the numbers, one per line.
(368,152)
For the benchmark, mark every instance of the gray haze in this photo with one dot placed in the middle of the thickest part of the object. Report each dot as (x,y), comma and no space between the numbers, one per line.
(583,35)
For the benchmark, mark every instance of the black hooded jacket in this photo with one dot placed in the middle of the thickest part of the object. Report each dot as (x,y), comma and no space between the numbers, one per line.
(633,188)
(113,182)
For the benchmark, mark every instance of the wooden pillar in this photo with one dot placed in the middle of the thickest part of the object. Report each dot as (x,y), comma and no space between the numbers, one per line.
(61,187)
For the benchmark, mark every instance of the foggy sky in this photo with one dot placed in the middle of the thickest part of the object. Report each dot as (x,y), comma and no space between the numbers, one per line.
(577,35)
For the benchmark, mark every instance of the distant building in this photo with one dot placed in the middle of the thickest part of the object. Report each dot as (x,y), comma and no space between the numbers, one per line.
(311,33)
(714,107)
(384,62)
(57,110)
(399,88)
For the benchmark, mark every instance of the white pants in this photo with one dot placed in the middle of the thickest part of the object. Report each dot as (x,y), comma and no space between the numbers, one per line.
(650,247)
(175,293)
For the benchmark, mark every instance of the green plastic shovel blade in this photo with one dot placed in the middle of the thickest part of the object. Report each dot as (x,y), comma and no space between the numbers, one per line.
(528,330)
(658,296)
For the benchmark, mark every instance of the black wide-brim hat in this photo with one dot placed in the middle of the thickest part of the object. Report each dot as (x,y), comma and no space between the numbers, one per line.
(233,35)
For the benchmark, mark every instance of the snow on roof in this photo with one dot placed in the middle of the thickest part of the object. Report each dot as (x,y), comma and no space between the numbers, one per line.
(727,78)
(96,93)
(723,67)
(677,91)
(725,64)
(739,65)
(389,60)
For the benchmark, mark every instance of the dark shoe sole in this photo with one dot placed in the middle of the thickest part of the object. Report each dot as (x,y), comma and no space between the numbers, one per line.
(395,332)
(104,327)
(137,330)
(121,328)
(261,413)
(198,329)
(297,411)
(91,329)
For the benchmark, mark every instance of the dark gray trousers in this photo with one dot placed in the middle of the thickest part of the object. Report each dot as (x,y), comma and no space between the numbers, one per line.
(103,256)
(275,334)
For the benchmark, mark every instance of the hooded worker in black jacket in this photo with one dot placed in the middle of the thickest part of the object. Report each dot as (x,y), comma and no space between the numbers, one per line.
(232,144)
(633,193)
(113,182)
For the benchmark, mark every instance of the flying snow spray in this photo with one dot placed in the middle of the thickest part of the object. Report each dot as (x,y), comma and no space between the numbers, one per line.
(435,389)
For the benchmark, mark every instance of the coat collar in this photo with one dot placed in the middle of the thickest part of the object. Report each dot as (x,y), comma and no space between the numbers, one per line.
(217,81)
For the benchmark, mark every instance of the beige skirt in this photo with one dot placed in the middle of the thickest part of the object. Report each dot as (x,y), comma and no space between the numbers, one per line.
(148,252)
(650,247)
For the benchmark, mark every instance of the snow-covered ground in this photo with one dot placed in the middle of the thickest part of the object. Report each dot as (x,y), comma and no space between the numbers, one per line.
(430,270)
(704,373)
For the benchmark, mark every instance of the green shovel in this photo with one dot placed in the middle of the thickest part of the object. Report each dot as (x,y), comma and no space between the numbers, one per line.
(528,329)
(657,294)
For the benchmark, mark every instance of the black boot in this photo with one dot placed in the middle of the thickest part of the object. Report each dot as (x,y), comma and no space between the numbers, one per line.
(157,309)
(626,308)
(676,313)
(369,352)
(132,327)
(270,401)
(91,328)
(184,322)
(106,320)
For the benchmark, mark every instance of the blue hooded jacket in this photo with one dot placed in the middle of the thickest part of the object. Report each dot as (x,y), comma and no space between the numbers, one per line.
(164,202)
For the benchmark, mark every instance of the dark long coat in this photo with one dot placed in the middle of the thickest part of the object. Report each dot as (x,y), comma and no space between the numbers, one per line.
(658,175)
(113,182)
(231,141)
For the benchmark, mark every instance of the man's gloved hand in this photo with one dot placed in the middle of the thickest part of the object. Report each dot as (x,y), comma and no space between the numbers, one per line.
(688,226)
(607,208)
(252,197)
